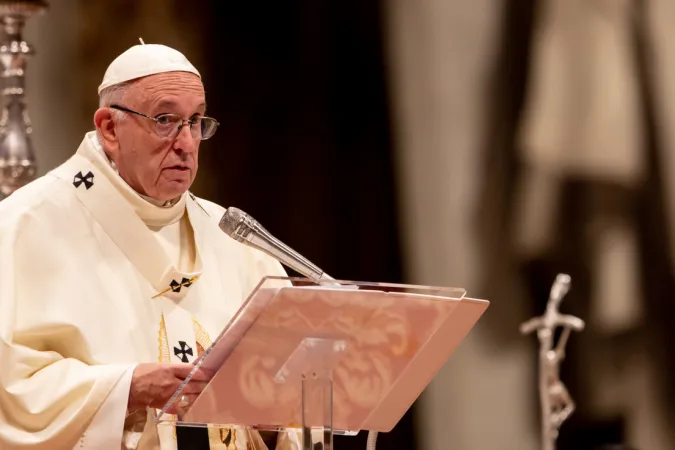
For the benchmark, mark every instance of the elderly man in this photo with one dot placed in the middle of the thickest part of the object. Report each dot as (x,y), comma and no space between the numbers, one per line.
(114,277)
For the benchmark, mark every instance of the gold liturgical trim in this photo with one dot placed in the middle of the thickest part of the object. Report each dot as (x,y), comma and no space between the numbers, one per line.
(219,438)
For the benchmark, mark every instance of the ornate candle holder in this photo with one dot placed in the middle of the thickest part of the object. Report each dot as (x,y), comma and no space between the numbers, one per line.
(17,159)
(556,403)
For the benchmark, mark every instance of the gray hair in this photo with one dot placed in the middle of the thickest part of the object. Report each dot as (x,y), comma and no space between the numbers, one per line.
(114,95)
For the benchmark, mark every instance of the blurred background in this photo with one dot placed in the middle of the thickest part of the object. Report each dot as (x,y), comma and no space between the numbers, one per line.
(487,145)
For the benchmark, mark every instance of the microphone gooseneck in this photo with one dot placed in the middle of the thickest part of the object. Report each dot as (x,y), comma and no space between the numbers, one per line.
(243,228)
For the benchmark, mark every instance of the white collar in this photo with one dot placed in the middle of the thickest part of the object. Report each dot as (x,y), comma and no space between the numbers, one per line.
(152,212)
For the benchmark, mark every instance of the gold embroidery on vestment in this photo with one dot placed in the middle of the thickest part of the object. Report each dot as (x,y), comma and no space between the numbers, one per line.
(217,436)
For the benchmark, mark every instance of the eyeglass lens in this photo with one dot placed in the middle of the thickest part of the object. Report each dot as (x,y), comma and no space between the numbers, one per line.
(202,128)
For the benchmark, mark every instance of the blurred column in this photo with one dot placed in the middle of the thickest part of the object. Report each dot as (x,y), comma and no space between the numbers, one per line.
(440,52)
(52,93)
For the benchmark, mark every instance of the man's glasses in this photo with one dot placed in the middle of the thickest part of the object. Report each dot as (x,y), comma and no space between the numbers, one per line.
(169,125)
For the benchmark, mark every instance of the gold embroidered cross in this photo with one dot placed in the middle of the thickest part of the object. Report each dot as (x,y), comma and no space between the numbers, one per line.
(176,286)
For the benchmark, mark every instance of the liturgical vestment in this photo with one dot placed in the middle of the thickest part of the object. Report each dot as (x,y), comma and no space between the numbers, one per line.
(95,278)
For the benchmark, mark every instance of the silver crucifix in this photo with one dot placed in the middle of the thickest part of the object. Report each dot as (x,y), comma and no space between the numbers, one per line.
(556,403)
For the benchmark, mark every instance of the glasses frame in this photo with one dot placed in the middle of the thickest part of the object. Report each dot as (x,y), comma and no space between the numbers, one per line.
(180,127)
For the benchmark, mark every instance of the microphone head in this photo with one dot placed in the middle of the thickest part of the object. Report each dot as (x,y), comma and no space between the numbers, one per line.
(235,223)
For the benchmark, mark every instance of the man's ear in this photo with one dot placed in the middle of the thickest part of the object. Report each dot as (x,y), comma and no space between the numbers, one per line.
(107,132)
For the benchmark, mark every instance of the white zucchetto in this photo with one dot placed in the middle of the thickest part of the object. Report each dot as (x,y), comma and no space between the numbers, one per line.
(143,60)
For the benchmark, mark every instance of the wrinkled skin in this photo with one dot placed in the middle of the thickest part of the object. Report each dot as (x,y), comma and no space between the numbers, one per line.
(153,384)
(160,168)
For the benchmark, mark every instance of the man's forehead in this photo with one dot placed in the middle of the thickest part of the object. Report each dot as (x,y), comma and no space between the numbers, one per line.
(170,90)
(179,81)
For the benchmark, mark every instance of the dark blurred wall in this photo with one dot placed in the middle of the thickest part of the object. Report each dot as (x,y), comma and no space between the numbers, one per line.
(304,143)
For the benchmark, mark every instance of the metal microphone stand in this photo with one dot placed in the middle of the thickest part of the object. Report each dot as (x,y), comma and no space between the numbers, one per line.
(556,403)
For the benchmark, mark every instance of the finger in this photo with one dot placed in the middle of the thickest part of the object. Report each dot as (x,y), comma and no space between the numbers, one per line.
(202,375)
(180,370)
(198,375)
(183,370)
(194,387)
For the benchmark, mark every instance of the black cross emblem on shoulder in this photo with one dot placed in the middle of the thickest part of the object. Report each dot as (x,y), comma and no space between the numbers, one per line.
(183,351)
(87,179)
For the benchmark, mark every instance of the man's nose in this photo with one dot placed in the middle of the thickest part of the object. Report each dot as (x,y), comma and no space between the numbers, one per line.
(184,140)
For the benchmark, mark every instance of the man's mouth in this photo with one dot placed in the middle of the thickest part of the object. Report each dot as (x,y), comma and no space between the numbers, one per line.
(182,168)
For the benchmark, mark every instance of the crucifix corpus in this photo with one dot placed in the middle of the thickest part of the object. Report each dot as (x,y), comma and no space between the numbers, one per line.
(556,402)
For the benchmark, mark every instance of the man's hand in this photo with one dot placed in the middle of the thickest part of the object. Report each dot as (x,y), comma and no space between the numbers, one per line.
(153,384)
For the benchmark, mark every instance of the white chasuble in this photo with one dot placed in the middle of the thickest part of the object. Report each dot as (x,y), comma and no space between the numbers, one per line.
(87,291)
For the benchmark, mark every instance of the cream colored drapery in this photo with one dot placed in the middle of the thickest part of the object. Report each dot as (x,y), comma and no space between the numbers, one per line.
(583,118)
(440,52)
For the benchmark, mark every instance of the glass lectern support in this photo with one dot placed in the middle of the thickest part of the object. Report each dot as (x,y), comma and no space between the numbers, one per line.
(312,364)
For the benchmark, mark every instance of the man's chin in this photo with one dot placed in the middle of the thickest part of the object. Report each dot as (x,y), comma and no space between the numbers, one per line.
(172,191)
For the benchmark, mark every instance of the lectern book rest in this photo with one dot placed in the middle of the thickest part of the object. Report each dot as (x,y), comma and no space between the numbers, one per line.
(341,356)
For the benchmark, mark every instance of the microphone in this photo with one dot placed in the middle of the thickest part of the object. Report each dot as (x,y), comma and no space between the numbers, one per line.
(245,229)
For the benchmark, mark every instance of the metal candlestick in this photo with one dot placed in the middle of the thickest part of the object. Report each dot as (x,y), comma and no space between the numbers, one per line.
(556,403)
(17,160)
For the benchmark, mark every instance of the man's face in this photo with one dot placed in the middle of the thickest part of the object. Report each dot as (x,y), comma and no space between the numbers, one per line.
(159,167)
